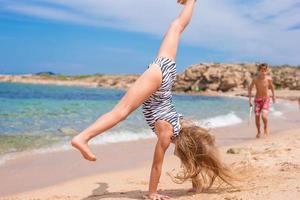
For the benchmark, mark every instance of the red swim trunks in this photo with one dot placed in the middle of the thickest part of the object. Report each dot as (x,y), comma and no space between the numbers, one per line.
(260,104)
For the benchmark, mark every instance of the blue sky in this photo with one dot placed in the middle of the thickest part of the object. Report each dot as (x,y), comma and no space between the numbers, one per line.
(90,36)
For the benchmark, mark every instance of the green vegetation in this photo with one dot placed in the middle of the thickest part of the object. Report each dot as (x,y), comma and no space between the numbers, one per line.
(198,89)
(56,76)
(67,77)
(278,86)
(85,76)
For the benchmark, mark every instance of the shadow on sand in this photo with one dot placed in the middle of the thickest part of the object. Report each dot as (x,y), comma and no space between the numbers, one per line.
(102,193)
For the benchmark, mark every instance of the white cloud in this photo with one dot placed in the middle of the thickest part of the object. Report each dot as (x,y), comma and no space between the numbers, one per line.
(245,30)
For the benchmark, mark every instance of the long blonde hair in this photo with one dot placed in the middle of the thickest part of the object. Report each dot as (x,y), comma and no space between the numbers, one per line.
(199,156)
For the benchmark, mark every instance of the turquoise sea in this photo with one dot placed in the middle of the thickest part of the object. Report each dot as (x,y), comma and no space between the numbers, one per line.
(46,116)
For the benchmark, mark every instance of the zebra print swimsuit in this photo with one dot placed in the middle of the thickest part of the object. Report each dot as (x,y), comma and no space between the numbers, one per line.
(159,105)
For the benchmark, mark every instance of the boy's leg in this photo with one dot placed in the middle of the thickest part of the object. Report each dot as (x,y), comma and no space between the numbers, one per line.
(265,121)
(146,84)
(257,110)
(257,122)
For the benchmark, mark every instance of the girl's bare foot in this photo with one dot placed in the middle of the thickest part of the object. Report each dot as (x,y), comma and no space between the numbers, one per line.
(182,2)
(79,143)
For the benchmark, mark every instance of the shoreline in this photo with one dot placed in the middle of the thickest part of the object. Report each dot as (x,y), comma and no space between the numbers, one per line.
(289,95)
(112,157)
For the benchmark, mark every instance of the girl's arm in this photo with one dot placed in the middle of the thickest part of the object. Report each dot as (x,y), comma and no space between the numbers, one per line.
(159,153)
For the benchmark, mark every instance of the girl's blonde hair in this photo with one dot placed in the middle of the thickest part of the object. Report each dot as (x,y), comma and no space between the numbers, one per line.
(199,156)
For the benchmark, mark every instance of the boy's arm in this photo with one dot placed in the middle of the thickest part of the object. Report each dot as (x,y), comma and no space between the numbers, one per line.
(250,92)
(272,90)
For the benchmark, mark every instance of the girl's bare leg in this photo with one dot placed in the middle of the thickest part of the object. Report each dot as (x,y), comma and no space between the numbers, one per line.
(146,84)
(170,42)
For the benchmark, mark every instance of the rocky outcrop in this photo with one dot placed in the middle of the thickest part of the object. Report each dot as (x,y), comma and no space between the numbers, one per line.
(196,78)
(230,77)
(107,81)
(286,77)
(117,81)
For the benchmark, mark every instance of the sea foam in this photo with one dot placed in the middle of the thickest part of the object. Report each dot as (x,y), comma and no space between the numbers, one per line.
(220,121)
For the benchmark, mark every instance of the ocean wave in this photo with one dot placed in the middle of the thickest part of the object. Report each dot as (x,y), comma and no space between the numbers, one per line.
(39,144)
(36,147)
(45,143)
(275,113)
(220,121)
(5,158)
(123,136)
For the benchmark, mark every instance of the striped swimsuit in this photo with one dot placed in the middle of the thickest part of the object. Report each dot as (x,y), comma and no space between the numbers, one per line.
(159,105)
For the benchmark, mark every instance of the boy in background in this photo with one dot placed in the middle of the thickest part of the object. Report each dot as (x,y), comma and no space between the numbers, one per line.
(262,83)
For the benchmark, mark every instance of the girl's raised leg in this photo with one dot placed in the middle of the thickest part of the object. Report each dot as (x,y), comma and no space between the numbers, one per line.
(144,86)
(170,42)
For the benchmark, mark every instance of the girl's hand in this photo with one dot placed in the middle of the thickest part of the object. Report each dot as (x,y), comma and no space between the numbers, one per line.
(156,197)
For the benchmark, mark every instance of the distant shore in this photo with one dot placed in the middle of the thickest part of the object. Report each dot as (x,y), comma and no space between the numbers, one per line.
(204,79)
(106,81)
(123,82)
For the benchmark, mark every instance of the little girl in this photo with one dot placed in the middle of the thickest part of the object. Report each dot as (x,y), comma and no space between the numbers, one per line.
(193,145)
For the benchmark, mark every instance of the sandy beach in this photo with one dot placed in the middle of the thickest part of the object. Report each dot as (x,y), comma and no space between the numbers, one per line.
(270,167)
(101,100)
